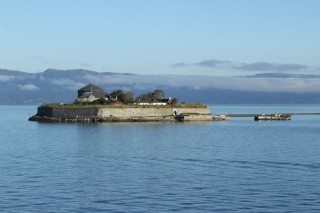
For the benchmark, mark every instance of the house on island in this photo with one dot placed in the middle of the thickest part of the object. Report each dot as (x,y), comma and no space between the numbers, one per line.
(91,93)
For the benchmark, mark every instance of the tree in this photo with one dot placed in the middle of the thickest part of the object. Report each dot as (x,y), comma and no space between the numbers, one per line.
(157,95)
(122,96)
(126,97)
(151,96)
(115,94)
(143,98)
(174,101)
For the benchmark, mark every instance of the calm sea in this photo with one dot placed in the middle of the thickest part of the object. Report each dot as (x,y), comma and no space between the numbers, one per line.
(230,166)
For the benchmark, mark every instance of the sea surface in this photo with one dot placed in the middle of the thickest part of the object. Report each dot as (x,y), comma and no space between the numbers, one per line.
(227,166)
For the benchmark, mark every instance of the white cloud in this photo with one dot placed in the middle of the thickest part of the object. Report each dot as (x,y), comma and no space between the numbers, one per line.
(70,84)
(268,84)
(28,87)
(5,78)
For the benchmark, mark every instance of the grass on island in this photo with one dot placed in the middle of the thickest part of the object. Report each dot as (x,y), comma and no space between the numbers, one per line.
(178,105)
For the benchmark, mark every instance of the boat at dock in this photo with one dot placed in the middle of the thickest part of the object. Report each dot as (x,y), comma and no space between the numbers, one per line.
(275,117)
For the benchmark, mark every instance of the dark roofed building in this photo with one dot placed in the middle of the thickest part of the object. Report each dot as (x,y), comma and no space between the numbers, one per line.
(90,93)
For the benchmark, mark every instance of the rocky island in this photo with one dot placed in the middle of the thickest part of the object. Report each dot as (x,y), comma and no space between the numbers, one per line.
(95,105)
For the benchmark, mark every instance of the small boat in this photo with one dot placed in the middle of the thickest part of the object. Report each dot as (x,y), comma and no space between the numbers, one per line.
(273,117)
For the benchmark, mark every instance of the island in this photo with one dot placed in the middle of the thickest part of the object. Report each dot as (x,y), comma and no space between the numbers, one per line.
(95,105)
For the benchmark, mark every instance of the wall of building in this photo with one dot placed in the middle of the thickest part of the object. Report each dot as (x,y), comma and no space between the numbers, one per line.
(124,113)
(56,112)
(134,112)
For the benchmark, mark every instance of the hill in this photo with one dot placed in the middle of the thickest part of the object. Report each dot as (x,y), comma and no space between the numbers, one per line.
(55,86)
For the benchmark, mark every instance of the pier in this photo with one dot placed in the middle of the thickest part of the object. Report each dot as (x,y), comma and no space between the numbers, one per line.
(288,113)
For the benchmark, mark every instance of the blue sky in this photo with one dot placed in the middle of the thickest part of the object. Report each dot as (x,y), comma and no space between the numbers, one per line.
(198,37)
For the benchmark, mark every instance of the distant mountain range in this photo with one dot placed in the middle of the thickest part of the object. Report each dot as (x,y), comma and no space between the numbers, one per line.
(55,86)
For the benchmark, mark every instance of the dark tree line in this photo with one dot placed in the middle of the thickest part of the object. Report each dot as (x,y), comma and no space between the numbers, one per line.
(128,97)
(119,95)
(151,96)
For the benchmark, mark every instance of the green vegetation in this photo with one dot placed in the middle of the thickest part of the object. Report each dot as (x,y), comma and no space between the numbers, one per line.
(120,99)
(124,97)
(184,105)
(151,96)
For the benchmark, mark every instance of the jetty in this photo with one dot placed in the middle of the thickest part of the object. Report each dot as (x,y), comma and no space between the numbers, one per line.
(277,117)
(235,115)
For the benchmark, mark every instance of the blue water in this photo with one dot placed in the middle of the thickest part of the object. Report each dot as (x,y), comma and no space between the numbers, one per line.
(229,166)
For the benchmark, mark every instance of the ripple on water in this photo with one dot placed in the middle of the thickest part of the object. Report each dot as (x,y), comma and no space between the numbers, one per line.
(236,166)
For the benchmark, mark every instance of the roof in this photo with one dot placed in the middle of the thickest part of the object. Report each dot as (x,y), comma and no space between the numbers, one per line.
(89,88)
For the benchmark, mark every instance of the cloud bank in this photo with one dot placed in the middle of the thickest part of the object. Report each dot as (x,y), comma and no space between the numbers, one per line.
(5,78)
(257,66)
(272,67)
(213,63)
(28,87)
(68,83)
(296,85)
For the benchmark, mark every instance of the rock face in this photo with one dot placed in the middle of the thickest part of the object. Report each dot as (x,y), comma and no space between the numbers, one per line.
(96,114)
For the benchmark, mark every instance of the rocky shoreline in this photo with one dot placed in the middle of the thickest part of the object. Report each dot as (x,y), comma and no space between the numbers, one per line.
(100,119)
